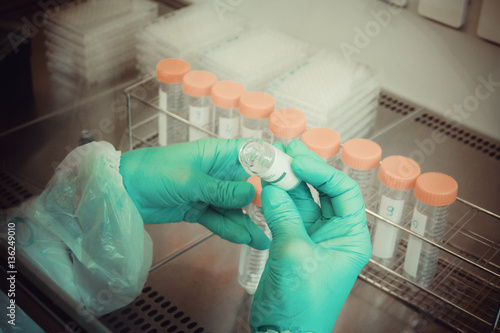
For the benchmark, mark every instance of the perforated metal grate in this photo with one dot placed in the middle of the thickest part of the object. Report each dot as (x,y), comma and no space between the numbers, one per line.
(467,137)
(11,192)
(396,105)
(151,312)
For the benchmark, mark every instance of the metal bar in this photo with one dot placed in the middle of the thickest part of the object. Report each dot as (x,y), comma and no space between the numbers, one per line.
(145,121)
(428,291)
(479,208)
(184,249)
(142,141)
(129,112)
(461,225)
(176,117)
(433,243)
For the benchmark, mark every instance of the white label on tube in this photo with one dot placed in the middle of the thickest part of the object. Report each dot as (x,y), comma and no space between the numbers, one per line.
(386,235)
(251,133)
(280,173)
(198,115)
(412,258)
(162,119)
(228,127)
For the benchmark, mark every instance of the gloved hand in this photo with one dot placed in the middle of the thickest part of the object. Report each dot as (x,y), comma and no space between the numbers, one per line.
(194,182)
(316,253)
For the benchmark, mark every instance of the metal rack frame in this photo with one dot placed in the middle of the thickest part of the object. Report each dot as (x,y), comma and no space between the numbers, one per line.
(465,293)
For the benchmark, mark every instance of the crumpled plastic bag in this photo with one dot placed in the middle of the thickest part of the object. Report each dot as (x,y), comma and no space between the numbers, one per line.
(85,233)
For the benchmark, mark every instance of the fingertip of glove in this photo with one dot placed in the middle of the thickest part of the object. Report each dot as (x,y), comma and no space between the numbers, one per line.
(263,243)
(244,193)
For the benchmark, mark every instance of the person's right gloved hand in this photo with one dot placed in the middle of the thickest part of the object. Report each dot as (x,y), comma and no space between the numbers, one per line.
(316,253)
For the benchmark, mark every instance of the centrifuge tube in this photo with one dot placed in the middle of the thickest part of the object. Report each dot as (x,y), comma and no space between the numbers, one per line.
(262,159)
(255,109)
(360,159)
(169,73)
(252,261)
(287,125)
(326,143)
(226,98)
(197,86)
(323,141)
(435,192)
(397,175)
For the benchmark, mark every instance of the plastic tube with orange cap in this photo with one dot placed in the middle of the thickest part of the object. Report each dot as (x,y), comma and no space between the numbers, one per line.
(255,109)
(170,73)
(252,261)
(197,87)
(326,143)
(435,192)
(323,141)
(287,125)
(360,159)
(226,99)
(397,175)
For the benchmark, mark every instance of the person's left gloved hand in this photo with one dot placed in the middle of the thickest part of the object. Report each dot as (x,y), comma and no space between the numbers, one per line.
(200,181)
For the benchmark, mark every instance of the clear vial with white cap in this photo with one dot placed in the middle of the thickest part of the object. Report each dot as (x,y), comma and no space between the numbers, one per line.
(252,261)
(255,109)
(262,159)
(170,73)
(435,192)
(287,125)
(225,97)
(397,175)
(360,159)
(197,87)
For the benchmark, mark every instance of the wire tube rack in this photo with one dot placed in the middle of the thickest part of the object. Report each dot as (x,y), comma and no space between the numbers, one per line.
(465,292)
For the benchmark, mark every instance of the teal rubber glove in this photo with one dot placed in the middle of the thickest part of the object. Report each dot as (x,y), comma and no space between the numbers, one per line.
(200,181)
(316,253)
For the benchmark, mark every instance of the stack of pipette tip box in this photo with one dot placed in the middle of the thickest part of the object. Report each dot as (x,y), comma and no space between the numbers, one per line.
(253,57)
(183,33)
(331,92)
(92,41)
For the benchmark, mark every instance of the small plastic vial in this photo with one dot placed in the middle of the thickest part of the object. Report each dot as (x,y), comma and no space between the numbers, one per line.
(435,192)
(287,125)
(169,73)
(226,99)
(360,159)
(197,87)
(255,109)
(252,261)
(262,159)
(397,175)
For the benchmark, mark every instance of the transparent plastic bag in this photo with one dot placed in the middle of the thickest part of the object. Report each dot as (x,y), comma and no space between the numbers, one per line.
(84,231)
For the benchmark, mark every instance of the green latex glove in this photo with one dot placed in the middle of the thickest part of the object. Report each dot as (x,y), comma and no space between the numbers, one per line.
(200,181)
(316,253)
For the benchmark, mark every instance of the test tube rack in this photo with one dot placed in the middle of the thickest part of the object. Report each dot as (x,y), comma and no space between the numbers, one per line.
(465,294)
